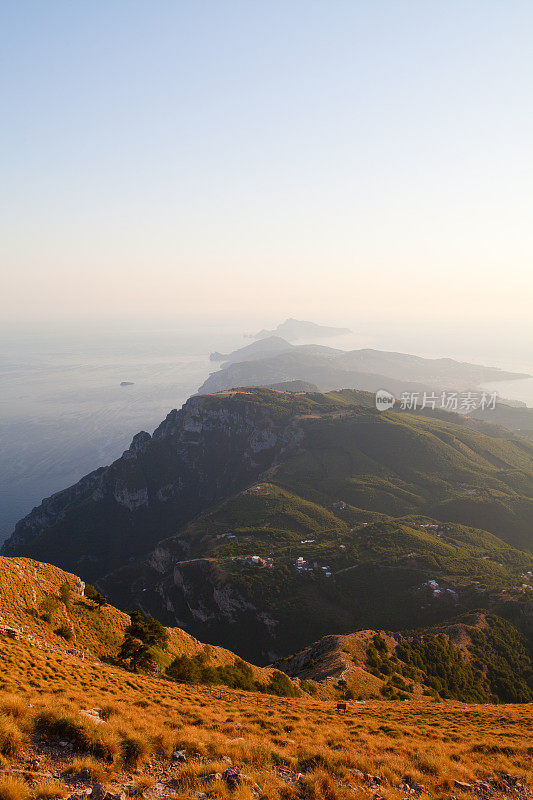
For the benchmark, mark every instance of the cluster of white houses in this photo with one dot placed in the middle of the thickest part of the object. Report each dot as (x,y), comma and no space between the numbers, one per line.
(437,590)
(304,566)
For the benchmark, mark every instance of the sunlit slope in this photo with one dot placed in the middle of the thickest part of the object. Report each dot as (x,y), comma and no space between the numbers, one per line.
(400,463)
(477,657)
(46,608)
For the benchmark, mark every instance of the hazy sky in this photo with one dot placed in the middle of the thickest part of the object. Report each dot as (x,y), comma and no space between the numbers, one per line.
(304,158)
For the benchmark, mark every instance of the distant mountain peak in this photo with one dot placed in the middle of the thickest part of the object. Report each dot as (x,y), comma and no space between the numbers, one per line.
(293,329)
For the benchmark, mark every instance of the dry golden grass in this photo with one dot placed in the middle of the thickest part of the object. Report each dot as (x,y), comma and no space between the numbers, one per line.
(11,737)
(49,790)
(124,729)
(88,768)
(26,584)
(269,738)
(13,789)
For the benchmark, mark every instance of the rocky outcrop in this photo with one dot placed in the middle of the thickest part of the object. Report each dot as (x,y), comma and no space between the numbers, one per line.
(199,454)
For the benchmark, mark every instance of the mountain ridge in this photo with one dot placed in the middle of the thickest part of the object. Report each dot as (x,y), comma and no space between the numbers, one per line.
(365,369)
(265,470)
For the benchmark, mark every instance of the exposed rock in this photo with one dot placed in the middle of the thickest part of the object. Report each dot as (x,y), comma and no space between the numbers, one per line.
(189,446)
(212,777)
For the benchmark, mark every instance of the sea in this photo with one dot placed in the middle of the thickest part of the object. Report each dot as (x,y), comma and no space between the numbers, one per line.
(73,395)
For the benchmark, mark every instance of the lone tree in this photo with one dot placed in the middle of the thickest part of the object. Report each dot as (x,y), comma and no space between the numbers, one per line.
(65,595)
(140,637)
(91,593)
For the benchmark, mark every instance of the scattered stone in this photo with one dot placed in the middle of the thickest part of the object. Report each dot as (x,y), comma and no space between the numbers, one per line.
(233,777)
(212,777)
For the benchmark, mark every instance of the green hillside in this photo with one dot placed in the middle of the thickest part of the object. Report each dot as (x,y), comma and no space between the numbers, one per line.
(397,464)
(477,657)
(284,571)
(262,520)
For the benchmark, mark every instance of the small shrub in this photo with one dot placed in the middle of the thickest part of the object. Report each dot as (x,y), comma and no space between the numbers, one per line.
(87,768)
(134,750)
(65,595)
(13,789)
(91,593)
(11,737)
(49,790)
(281,685)
(48,606)
(65,631)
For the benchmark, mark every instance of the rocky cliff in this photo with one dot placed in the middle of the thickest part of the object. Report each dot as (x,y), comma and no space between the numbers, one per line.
(197,456)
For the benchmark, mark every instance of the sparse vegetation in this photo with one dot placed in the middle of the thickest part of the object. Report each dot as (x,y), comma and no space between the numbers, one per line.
(91,593)
(239,675)
(65,631)
(149,718)
(86,767)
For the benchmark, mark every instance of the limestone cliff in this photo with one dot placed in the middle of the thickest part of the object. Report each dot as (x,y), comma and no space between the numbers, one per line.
(197,456)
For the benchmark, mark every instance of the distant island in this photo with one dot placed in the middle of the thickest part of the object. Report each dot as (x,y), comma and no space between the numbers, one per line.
(293,329)
(126,383)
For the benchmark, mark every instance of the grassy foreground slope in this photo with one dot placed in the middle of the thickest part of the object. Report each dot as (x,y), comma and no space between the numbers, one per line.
(47,608)
(69,721)
(122,730)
